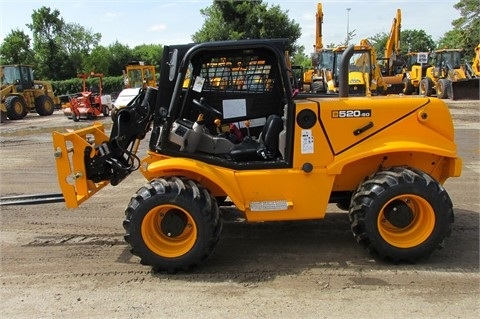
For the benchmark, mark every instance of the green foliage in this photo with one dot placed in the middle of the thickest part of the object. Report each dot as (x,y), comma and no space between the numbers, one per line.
(98,61)
(47,29)
(410,41)
(110,84)
(300,58)
(149,53)
(466,29)
(119,56)
(15,49)
(235,20)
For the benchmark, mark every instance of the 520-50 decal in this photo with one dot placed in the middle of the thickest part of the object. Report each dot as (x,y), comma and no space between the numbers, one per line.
(351,113)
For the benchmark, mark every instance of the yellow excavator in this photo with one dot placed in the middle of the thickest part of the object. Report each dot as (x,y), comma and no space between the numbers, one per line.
(315,79)
(392,71)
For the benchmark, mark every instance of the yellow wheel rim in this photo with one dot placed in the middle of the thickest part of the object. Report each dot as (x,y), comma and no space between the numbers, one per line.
(169,231)
(18,107)
(411,231)
(48,106)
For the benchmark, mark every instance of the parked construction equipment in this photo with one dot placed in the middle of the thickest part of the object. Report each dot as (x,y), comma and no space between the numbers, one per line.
(364,75)
(137,74)
(91,102)
(384,159)
(393,62)
(447,77)
(315,78)
(21,94)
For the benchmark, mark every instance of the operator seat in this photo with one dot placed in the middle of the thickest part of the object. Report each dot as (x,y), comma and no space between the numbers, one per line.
(266,148)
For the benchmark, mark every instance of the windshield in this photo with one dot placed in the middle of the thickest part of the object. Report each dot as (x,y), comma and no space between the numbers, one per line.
(11,74)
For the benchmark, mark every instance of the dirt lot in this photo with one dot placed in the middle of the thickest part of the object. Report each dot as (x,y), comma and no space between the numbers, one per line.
(59,263)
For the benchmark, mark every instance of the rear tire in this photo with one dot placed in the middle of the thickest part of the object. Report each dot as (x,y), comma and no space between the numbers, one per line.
(16,107)
(172,224)
(44,105)
(401,214)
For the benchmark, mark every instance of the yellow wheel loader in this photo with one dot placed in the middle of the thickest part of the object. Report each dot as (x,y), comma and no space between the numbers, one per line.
(413,72)
(21,94)
(271,153)
(448,77)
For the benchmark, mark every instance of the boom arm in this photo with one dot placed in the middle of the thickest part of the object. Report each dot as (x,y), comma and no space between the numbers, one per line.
(94,160)
(116,159)
(318,35)
(393,43)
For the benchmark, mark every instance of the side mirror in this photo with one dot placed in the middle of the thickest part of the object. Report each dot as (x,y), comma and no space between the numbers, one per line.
(173,65)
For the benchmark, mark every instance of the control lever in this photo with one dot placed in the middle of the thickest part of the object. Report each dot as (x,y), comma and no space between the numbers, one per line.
(247,125)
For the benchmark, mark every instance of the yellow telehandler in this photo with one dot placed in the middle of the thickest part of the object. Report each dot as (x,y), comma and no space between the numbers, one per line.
(382,159)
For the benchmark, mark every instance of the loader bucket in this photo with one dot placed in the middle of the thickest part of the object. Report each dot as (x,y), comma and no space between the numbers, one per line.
(466,90)
(70,149)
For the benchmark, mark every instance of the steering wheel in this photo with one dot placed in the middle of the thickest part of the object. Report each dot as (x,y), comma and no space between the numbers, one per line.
(206,107)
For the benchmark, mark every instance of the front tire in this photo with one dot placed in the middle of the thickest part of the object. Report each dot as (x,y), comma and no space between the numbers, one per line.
(444,86)
(408,87)
(105,110)
(172,224)
(401,214)
(75,117)
(426,87)
(16,107)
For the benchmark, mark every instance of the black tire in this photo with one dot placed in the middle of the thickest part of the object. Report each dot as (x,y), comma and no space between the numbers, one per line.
(16,107)
(172,224)
(44,105)
(75,117)
(105,110)
(426,87)
(444,86)
(408,87)
(401,214)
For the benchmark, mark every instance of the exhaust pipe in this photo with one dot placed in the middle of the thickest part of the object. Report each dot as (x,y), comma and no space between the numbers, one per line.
(343,76)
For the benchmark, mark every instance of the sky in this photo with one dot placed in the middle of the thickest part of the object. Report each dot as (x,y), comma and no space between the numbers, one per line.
(175,21)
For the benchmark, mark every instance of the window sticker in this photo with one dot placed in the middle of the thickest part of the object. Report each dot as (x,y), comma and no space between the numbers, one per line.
(198,85)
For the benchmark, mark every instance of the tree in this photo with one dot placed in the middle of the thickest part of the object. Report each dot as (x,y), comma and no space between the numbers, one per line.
(15,49)
(47,29)
(120,55)
(410,41)
(466,29)
(78,43)
(301,58)
(98,61)
(235,20)
(349,37)
(150,53)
